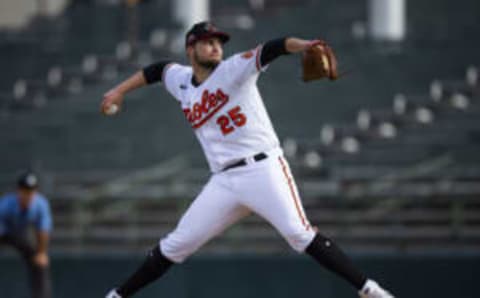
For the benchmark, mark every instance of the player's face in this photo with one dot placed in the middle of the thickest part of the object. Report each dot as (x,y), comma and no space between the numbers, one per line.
(25,196)
(207,53)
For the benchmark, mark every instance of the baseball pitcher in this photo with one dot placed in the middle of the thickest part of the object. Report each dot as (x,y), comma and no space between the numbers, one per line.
(222,103)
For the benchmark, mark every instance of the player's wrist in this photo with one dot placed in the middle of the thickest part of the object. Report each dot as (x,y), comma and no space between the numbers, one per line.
(295,45)
(117,94)
(119,91)
(314,42)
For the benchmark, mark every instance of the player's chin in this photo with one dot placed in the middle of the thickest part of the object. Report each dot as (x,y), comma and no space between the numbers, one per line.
(215,59)
(210,63)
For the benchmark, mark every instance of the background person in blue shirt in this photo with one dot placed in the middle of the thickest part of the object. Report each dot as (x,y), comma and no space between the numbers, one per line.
(19,213)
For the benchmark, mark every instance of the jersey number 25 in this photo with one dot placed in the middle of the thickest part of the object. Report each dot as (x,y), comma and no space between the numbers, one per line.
(233,118)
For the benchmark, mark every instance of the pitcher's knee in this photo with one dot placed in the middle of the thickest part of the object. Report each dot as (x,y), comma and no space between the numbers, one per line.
(299,240)
(177,249)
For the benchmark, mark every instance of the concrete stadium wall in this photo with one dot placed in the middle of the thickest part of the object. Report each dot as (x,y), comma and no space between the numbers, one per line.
(16,13)
(253,276)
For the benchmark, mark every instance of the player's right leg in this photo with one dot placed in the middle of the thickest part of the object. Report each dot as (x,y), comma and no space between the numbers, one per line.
(275,198)
(211,212)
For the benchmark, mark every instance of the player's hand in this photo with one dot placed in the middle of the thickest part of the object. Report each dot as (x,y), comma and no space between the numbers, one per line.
(112,97)
(314,42)
(41,259)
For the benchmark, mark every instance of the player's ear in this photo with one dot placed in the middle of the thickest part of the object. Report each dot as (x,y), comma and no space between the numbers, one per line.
(189,51)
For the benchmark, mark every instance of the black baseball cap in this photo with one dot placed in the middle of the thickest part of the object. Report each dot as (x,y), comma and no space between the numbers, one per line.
(204,30)
(27,180)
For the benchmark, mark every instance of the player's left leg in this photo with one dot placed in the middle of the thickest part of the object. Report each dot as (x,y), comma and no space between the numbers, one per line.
(214,209)
(274,196)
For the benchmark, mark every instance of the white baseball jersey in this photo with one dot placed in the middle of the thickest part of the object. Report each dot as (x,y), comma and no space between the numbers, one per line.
(229,118)
(226,111)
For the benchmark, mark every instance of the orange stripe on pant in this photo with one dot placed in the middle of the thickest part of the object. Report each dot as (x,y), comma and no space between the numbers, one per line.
(294,194)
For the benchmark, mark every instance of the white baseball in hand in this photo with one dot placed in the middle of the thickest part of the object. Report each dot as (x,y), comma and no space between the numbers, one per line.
(111,110)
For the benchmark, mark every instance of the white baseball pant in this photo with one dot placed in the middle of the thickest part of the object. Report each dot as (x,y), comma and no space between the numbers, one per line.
(265,187)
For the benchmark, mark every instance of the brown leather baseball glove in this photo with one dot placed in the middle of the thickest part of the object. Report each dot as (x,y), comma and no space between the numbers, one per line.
(319,62)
